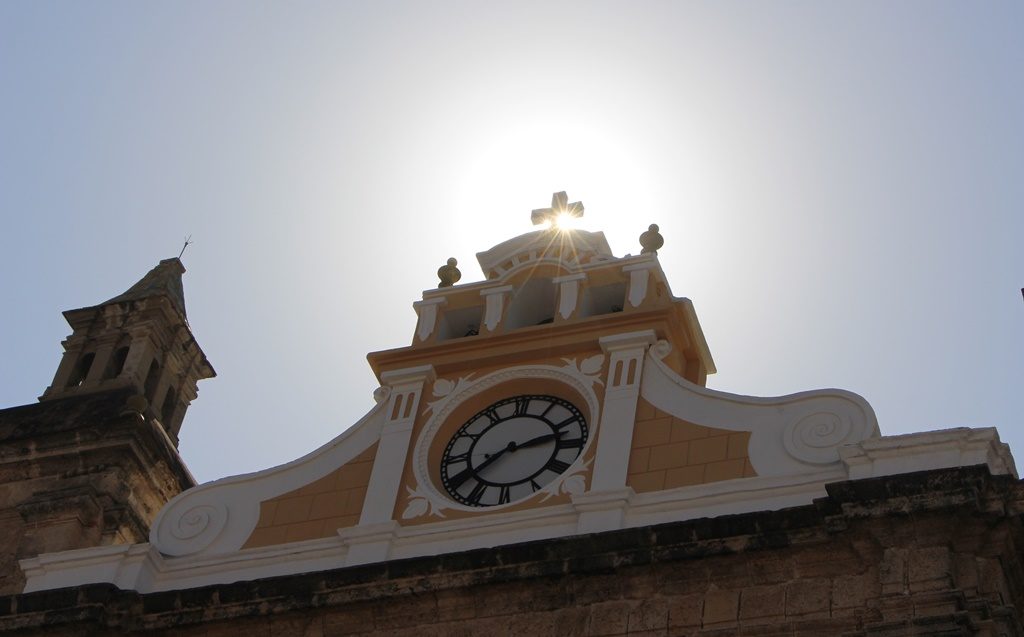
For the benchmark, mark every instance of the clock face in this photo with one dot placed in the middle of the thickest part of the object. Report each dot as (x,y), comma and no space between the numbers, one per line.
(511,449)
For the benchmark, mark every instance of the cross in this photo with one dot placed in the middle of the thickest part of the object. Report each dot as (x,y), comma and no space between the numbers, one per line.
(559,206)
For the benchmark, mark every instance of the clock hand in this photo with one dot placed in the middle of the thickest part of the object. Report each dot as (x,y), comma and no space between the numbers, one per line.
(457,480)
(538,440)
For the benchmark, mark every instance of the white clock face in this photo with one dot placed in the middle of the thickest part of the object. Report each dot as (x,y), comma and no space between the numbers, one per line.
(512,449)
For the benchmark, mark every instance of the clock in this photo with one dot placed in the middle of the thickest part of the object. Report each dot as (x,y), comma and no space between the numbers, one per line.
(512,449)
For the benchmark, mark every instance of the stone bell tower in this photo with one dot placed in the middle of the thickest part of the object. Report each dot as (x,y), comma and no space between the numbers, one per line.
(139,339)
(96,458)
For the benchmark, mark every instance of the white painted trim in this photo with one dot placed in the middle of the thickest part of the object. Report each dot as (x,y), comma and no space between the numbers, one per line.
(426,310)
(958,447)
(142,568)
(495,305)
(536,243)
(393,448)
(622,389)
(219,516)
(568,292)
(790,435)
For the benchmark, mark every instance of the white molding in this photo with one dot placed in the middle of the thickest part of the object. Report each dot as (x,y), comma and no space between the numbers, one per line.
(639,278)
(622,389)
(568,292)
(536,243)
(393,448)
(958,447)
(494,305)
(219,516)
(370,543)
(602,510)
(142,568)
(426,311)
(789,435)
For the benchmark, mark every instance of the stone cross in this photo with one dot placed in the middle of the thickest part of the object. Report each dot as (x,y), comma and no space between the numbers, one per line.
(559,205)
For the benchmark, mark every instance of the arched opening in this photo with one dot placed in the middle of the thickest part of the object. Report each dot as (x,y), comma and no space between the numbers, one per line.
(117,362)
(152,377)
(167,410)
(532,304)
(81,370)
(603,299)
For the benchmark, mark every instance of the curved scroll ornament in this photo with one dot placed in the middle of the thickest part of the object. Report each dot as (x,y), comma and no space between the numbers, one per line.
(197,524)
(789,435)
(218,517)
(661,349)
(816,438)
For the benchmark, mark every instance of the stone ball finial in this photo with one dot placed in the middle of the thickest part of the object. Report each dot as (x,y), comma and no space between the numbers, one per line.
(651,240)
(449,274)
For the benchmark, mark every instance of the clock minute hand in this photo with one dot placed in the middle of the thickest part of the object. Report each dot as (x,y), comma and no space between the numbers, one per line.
(538,440)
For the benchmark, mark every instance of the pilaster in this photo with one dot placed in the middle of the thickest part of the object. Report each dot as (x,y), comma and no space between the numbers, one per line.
(615,437)
(406,388)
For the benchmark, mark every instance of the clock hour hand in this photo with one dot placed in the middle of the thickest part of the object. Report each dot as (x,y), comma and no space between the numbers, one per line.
(488,460)
(538,440)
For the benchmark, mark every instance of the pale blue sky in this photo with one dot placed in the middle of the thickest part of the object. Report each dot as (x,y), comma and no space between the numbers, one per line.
(840,186)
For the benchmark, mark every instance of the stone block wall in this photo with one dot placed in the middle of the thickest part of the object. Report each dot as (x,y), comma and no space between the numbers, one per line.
(80,472)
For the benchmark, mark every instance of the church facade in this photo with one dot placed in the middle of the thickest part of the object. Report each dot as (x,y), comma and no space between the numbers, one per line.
(544,458)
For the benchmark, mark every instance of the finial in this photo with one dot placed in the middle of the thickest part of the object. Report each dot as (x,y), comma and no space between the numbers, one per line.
(449,274)
(559,206)
(651,240)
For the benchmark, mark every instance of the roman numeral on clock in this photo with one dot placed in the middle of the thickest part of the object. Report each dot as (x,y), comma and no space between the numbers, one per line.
(567,421)
(556,465)
(477,493)
(570,443)
(522,404)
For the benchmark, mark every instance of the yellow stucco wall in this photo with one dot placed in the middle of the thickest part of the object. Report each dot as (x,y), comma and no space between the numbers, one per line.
(318,509)
(668,452)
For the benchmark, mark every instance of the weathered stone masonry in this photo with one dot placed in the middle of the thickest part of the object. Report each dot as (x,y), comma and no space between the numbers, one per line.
(928,553)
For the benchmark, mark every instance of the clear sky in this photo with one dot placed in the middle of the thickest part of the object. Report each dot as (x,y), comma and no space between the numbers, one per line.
(840,187)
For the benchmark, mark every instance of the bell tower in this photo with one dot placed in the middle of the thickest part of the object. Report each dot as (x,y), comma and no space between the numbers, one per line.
(141,340)
(96,458)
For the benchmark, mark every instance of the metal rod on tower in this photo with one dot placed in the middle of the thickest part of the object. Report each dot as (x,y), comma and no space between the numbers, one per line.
(188,241)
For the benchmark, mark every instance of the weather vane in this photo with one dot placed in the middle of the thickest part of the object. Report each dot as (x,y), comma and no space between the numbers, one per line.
(188,242)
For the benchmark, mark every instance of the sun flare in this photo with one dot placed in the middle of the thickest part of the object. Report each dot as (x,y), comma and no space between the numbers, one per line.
(565,221)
